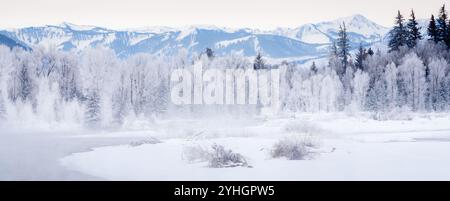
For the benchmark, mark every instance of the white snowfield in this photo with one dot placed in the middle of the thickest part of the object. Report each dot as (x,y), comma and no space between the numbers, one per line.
(346,148)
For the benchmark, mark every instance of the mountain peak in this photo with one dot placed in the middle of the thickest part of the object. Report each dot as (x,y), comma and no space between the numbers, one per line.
(355,20)
(75,27)
(358,17)
(361,28)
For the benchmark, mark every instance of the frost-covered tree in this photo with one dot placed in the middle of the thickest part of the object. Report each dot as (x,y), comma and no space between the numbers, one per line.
(48,61)
(235,61)
(99,68)
(68,77)
(428,49)
(377,99)
(48,105)
(288,96)
(391,78)
(6,67)
(347,86)
(141,82)
(287,72)
(398,35)
(92,113)
(360,88)
(376,95)
(330,92)
(120,100)
(316,95)
(313,93)
(159,100)
(162,91)
(438,68)
(446,92)
(22,83)
(413,82)
(413,31)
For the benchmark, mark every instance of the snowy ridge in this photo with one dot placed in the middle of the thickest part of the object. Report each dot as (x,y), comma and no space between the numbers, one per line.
(305,41)
(361,30)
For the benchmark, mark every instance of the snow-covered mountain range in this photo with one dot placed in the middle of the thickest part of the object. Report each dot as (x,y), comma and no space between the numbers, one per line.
(310,40)
(361,30)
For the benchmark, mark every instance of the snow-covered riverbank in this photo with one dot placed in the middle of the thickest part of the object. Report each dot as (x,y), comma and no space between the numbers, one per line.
(35,156)
(349,148)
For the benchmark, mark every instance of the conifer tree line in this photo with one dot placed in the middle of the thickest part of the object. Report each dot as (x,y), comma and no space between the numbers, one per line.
(408,33)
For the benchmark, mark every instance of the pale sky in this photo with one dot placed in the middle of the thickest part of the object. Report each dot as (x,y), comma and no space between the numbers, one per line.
(263,14)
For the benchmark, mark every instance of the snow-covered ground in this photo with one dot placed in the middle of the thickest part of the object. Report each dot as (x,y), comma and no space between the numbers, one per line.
(347,148)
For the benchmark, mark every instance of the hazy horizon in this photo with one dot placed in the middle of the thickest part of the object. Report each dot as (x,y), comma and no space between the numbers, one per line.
(253,14)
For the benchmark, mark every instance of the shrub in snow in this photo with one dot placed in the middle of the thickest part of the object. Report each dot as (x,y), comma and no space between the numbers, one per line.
(217,156)
(223,158)
(293,148)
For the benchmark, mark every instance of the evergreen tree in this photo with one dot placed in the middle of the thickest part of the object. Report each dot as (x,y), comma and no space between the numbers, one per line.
(314,68)
(360,57)
(398,34)
(343,46)
(413,31)
(370,52)
(334,50)
(259,62)
(432,30)
(209,53)
(442,26)
(334,61)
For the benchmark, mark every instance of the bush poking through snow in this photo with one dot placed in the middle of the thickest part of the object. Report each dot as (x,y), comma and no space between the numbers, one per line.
(293,148)
(217,156)
(223,158)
